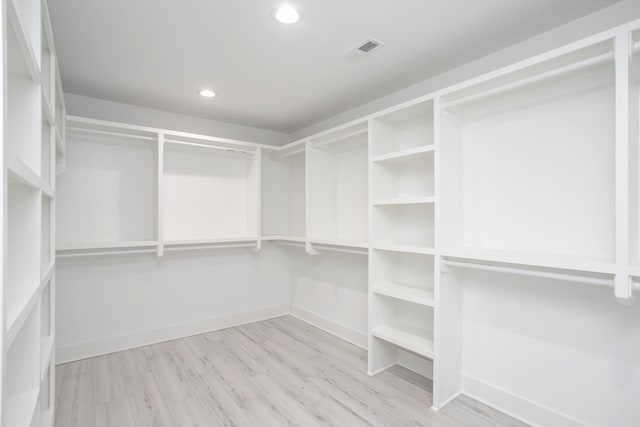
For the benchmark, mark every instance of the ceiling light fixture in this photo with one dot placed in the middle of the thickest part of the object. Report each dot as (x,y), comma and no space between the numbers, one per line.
(207,93)
(287,15)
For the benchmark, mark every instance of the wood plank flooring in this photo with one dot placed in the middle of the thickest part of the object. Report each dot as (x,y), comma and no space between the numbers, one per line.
(280,372)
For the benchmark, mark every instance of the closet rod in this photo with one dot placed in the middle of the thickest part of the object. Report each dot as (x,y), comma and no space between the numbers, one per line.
(343,250)
(286,243)
(192,248)
(98,253)
(109,133)
(215,147)
(532,273)
(596,60)
(292,153)
(341,137)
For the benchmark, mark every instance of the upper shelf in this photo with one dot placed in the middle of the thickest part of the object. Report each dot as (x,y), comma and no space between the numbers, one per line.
(558,261)
(402,155)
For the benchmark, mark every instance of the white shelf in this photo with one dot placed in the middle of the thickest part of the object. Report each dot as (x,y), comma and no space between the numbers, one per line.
(409,338)
(413,249)
(26,48)
(564,262)
(285,238)
(210,241)
(20,409)
(405,293)
(403,154)
(404,200)
(20,303)
(88,246)
(22,173)
(339,242)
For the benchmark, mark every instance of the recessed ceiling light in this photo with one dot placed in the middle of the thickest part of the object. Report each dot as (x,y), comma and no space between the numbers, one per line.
(207,93)
(287,15)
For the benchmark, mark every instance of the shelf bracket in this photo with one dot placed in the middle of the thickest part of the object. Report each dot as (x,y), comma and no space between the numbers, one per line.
(623,287)
(310,249)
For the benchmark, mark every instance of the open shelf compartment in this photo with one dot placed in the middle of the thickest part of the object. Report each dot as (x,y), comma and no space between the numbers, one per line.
(283,193)
(403,133)
(337,181)
(405,276)
(23,104)
(210,193)
(109,177)
(410,225)
(23,251)
(511,180)
(22,374)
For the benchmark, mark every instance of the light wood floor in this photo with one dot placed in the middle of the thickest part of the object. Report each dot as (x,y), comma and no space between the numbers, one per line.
(280,372)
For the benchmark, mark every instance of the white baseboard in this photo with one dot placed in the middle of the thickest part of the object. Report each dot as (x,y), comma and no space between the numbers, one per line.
(339,330)
(514,405)
(139,339)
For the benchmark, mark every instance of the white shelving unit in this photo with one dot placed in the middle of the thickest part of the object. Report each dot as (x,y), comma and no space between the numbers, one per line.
(401,261)
(199,192)
(29,159)
(337,176)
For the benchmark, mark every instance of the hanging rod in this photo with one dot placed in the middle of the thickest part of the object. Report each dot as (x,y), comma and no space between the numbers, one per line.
(99,253)
(286,243)
(196,247)
(215,147)
(109,133)
(341,137)
(292,153)
(315,248)
(605,57)
(532,273)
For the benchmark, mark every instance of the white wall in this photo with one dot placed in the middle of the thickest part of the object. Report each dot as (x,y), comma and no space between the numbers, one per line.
(569,348)
(330,290)
(124,113)
(619,13)
(108,303)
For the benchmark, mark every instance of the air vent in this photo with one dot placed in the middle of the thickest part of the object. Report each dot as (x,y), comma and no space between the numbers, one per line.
(368,46)
(364,48)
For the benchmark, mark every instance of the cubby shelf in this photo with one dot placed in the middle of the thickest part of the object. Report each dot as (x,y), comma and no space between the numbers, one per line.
(20,172)
(404,200)
(26,47)
(403,154)
(558,261)
(21,304)
(405,293)
(20,409)
(415,340)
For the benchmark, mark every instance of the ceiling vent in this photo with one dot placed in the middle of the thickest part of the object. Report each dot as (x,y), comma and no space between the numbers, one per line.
(365,48)
(368,46)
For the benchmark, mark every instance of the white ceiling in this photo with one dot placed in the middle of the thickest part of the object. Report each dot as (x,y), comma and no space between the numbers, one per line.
(158,53)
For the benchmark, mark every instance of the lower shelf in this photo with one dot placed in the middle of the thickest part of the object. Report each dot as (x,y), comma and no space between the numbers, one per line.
(415,340)
(19,410)
(405,293)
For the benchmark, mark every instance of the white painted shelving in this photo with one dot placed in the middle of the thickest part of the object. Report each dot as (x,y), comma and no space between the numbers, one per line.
(29,162)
